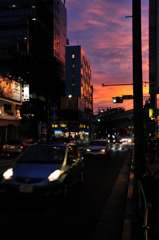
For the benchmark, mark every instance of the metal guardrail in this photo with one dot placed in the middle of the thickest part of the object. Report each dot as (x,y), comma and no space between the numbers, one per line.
(146,211)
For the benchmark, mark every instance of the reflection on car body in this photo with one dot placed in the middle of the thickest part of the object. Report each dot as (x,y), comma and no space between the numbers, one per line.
(97,147)
(45,168)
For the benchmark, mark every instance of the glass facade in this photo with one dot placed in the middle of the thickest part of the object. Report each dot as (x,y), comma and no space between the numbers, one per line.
(13,30)
(15,20)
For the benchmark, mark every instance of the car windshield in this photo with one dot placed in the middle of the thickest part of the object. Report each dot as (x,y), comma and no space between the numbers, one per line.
(43,154)
(13,142)
(97,143)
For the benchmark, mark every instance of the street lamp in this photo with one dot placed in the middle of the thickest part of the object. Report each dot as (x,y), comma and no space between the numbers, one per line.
(69,98)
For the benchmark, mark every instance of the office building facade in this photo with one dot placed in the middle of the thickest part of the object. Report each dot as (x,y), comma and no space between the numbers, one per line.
(15,20)
(78,76)
(33,37)
(77,105)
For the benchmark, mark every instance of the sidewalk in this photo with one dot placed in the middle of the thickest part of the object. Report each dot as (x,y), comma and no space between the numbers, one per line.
(153,233)
(141,220)
(110,225)
(144,217)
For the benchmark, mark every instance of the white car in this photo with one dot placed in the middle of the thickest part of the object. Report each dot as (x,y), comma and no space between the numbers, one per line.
(97,147)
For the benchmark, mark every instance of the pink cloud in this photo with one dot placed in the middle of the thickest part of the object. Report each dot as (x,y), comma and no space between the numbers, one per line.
(105,34)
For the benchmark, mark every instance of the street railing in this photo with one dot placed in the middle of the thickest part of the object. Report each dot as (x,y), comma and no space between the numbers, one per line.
(144,205)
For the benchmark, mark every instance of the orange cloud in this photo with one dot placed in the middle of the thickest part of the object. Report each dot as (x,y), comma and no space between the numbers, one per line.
(106,36)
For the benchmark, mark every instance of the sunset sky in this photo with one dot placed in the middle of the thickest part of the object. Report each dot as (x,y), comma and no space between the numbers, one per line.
(104,32)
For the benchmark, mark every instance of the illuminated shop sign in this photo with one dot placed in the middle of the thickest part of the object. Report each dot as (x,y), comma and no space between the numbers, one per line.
(10,89)
(25,93)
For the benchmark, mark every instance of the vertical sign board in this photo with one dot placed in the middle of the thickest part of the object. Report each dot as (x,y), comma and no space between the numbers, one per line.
(16,91)
(26,92)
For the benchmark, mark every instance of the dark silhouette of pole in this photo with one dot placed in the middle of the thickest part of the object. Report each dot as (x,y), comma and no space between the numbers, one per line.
(139,150)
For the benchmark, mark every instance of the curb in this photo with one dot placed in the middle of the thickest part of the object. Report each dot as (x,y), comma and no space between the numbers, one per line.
(128,212)
(110,224)
(127,226)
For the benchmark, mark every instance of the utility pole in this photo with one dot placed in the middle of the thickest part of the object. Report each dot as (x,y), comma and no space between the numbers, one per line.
(139,147)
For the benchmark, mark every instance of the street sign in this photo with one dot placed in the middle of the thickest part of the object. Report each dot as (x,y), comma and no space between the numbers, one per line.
(127,96)
(117,99)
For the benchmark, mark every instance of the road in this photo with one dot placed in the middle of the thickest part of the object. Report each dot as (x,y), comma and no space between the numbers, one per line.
(75,218)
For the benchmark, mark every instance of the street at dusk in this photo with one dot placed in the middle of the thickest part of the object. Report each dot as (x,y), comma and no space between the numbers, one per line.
(79,119)
(78,216)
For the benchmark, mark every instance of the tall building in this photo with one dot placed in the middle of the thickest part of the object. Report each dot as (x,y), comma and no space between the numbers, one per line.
(77,105)
(153,50)
(78,76)
(16,19)
(33,37)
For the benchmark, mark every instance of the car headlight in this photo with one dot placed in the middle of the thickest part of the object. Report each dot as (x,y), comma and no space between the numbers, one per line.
(8,174)
(102,150)
(55,175)
(88,150)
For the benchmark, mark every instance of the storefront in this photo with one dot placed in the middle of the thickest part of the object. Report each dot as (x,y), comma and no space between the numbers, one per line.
(73,130)
(10,102)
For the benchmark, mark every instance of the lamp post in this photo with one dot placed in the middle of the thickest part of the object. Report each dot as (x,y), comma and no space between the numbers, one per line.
(139,151)
(69,100)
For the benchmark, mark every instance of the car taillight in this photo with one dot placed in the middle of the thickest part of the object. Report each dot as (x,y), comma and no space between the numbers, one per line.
(4,146)
(21,147)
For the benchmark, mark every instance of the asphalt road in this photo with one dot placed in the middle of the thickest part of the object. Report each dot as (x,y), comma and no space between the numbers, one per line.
(73,219)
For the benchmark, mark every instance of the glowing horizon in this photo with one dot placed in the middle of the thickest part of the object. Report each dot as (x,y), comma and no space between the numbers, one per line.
(104,32)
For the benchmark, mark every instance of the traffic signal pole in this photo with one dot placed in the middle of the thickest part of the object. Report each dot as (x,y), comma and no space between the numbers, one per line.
(139,146)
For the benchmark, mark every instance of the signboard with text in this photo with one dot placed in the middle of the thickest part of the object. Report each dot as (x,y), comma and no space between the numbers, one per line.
(10,89)
(25,93)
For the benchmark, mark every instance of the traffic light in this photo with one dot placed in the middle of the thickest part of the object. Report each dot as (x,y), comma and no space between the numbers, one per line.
(117,100)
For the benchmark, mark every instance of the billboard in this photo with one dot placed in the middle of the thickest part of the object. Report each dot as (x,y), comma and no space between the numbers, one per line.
(10,89)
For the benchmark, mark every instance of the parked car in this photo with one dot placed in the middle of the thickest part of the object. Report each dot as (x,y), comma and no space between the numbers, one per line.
(45,168)
(13,146)
(97,147)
